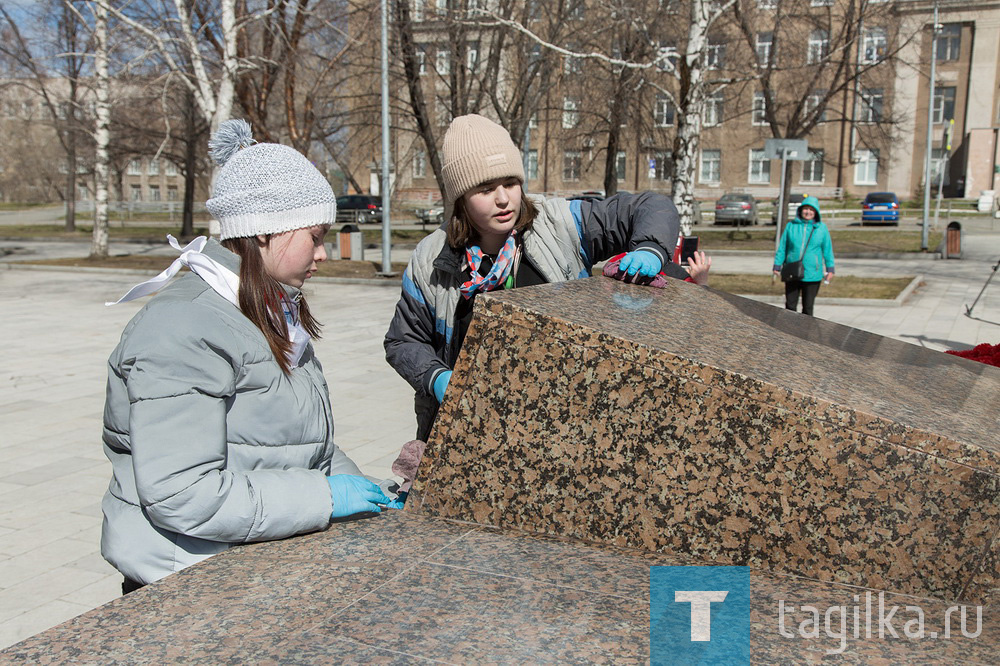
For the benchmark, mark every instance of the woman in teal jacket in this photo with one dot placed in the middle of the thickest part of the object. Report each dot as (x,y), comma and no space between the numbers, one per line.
(808,229)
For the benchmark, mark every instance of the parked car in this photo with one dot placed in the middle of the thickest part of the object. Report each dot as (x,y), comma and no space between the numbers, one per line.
(432,215)
(359,208)
(880,207)
(794,201)
(736,209)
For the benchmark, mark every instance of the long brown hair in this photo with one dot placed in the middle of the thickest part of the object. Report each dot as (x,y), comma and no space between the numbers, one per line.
(260,299)
(461,232)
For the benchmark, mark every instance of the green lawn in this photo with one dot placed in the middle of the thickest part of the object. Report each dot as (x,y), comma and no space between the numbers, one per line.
(845,286)
(844,240)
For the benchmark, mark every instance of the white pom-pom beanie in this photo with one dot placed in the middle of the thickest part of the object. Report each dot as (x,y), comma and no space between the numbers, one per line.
(265,188)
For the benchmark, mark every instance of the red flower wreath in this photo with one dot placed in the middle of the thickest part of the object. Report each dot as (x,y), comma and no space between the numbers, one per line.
(984,353)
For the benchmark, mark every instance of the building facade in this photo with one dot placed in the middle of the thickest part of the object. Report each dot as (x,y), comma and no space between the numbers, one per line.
(871,83)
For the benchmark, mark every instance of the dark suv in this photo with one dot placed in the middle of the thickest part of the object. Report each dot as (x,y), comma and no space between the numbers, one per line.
(359,208)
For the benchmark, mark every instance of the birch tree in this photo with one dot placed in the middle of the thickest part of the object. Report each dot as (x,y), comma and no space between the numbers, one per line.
(102,133)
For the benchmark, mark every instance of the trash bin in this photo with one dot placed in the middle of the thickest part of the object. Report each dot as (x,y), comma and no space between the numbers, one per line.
(349,240)
(953,241)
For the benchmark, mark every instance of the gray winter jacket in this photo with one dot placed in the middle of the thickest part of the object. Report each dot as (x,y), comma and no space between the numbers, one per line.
(565,240)
(211,444)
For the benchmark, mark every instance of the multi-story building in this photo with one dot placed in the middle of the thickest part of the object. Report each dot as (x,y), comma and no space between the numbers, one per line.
(873,94)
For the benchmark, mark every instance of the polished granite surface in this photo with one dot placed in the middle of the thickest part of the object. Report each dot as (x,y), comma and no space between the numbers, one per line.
(404,589)
(685,420)
(622,428)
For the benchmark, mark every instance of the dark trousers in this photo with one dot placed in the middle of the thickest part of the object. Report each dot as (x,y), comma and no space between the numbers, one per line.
(129,585)
(809,291)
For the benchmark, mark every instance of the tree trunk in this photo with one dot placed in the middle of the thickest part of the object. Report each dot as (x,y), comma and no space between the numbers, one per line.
(102,133)
(691,104)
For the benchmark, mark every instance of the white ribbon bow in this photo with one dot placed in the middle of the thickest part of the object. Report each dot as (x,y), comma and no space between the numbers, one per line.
(225,282)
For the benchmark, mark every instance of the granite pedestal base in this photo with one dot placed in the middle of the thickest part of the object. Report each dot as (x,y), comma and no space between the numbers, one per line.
(689,421)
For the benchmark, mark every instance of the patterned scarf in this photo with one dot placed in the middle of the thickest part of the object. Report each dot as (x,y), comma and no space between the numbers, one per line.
(497,275)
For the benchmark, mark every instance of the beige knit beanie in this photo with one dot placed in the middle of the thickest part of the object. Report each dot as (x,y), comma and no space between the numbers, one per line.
(476,150)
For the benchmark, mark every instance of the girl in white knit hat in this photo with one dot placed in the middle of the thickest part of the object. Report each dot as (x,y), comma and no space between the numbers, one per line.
(497,237)
(217,421)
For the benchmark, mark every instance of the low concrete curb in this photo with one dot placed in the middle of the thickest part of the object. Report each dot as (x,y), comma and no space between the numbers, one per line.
(917,256)
(19,265)
(396,282)
(862,302)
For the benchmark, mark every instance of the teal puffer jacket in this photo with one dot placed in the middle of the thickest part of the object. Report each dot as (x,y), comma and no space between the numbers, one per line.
(820,250)
(211,444)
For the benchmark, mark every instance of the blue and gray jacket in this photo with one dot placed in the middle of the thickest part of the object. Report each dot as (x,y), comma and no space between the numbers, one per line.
(565,241)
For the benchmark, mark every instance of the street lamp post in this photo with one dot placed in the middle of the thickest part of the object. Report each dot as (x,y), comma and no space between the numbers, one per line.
(930,133)
(386,183)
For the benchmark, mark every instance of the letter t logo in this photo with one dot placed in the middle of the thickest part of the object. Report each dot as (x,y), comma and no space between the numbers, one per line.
(701,610)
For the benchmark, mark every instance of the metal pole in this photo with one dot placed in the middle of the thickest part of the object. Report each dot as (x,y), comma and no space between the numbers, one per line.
(386,183)
(930,133)
(780,217)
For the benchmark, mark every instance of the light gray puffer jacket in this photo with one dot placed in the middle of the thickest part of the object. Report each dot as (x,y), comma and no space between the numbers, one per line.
(211,444)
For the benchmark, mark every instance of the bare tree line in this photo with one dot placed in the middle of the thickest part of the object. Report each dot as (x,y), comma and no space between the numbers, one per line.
(304,72)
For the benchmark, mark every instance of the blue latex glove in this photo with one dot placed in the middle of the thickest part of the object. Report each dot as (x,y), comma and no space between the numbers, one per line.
(353,494)
(441,385)
(641,262)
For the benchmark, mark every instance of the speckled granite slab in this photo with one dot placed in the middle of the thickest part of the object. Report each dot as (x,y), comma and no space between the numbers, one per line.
(406,589)
(689,421)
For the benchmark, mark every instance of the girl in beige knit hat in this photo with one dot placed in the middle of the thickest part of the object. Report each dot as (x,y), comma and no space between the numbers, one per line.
(498,237)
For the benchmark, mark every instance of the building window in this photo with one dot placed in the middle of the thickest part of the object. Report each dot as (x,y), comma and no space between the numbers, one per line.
(866,170)
(821,3)
(812,168)
(576,10)
(532,165)
(815,100)
(666,56)
(767,4)
(443,113)
(418,10)
(171,193)
(441,6)
(765,43)
(472,57)
(620,161)
(136,192)
(153,168)
(819,46)
(716,54)
(170,168)
(663,111)
(154,193)
(713,110)
(870,106)
(711,166)
(760,168)
(939,166)
(571,165)
(533,121)
(571,113)
(758,115)
(443,63)
(874,46)
(419,163)
(134,168)
(572,65)
(421,57)
(944,104)
(660,165)
(535,52)
(949,42)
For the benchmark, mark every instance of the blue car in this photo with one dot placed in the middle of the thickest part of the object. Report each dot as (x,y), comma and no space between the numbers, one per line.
(880,207)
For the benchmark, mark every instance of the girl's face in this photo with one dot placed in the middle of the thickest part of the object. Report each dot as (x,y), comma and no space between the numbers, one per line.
(807,213)
(291,257)
(493,210)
